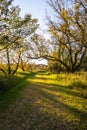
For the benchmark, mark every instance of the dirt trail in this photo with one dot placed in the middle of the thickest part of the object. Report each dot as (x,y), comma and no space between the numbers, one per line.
(37,109)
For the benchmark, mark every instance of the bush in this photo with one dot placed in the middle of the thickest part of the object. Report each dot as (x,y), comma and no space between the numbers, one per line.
(82,87)
(2,86)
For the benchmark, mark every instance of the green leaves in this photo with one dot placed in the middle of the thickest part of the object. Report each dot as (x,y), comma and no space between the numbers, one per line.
(69,34)
(15,32)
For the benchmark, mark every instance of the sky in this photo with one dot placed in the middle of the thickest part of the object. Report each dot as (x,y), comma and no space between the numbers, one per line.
(37,9)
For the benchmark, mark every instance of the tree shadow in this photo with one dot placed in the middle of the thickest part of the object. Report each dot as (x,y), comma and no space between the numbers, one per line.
(13,87)
(43,78)
(41,109)
(25,74)
(43,73)
(82,115)
(54,100)
(59,88)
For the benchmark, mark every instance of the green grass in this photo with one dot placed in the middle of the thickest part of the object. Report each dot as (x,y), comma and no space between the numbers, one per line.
(12,89)
(12,81)
(44,101)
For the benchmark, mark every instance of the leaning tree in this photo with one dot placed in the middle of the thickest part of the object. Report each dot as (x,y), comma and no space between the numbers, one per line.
(14,32)
(68,28)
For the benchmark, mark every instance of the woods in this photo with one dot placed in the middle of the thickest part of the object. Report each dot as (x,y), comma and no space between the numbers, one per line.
(68,27)
(68,35)
(14,34)
(50,95)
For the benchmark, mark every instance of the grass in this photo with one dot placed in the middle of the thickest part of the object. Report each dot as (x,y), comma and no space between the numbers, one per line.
(12,89)
(43,101)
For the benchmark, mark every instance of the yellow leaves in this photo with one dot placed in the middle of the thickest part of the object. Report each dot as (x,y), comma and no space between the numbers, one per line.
(83,26)
(53,32)
(64,14)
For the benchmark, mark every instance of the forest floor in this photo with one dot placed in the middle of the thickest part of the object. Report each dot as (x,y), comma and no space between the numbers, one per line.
(43,102)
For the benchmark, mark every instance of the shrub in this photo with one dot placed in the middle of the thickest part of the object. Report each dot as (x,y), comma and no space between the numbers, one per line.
(82,87)
(2,86)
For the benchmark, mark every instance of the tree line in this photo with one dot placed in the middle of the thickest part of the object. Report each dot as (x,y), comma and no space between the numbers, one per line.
(65,50)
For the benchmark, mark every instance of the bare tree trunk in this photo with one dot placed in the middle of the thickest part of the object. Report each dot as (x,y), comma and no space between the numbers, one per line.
(8,62)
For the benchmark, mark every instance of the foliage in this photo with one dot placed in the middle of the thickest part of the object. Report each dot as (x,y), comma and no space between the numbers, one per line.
(8,83)
(68,28)
(54,67)
(38,46)
(84,64)
(15,31)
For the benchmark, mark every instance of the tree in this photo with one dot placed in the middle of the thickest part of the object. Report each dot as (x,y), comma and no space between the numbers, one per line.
(14,34)
(54,66)
(38,46)
(84,64)
(69,33)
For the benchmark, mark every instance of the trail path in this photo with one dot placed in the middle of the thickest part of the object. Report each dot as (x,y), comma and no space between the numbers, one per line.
(38,108)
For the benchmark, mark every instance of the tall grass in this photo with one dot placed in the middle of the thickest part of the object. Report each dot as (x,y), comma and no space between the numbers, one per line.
(76,81)
(45,101)
(8,83)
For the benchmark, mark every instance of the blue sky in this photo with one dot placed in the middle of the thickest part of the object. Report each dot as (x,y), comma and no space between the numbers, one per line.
(37,9)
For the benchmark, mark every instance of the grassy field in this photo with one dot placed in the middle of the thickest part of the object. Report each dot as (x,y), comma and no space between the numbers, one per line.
(44,101)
